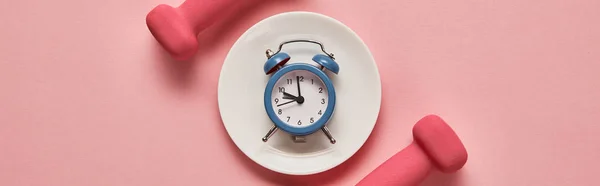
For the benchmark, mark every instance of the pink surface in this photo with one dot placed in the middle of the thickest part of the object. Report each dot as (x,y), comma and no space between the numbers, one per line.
(88,98)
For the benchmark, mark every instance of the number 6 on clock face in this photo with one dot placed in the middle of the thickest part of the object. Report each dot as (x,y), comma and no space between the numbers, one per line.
(299,98)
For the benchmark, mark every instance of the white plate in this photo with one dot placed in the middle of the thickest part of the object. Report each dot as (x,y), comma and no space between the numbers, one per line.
(242,86)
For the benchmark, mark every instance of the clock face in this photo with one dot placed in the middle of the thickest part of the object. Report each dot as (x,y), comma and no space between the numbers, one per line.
(299,98)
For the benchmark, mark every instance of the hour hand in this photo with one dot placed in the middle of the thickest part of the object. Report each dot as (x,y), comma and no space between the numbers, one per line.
(289,96)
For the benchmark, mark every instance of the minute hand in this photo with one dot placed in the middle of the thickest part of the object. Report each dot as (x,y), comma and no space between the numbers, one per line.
(298,82)
(286,103)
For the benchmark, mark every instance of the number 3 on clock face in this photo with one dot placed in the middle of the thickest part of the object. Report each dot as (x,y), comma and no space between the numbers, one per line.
(300,99)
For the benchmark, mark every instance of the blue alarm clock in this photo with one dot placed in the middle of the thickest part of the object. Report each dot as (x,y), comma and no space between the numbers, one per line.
(299,97)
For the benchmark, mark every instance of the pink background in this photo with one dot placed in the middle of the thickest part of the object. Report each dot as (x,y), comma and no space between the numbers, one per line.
(87,97)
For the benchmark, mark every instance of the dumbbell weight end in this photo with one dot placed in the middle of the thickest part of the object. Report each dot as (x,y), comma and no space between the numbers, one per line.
(177,29)
(435,145)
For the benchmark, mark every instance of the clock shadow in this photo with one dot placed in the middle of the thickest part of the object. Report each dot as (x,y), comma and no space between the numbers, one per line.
(314,143)
(334,78)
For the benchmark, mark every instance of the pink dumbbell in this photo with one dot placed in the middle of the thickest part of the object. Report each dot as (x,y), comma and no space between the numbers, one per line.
(435,145)
(177,29)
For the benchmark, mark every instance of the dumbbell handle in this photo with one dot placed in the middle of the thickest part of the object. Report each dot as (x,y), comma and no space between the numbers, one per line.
(408,167)
(203,13)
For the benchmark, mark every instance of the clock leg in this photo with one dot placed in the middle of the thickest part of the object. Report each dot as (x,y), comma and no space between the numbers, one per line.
(270,133)
(328,134)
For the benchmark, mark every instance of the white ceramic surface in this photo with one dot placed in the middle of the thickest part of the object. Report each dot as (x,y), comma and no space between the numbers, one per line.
(242,85)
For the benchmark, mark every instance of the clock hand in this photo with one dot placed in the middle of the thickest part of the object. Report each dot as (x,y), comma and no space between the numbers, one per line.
(292,98)
(286,103)
(288,96)
(298,82)
(298,99)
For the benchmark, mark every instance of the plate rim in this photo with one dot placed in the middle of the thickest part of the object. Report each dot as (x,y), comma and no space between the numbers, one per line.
(378,90)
